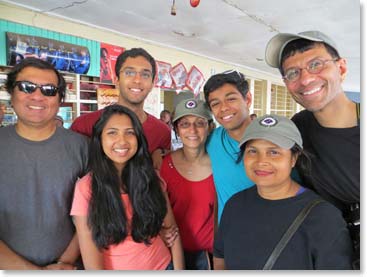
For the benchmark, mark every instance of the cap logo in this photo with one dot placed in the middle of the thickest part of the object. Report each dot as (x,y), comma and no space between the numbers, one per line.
(268,121)
(191,104)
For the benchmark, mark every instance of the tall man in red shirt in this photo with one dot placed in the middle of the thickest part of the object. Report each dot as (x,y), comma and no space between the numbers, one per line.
(135,70)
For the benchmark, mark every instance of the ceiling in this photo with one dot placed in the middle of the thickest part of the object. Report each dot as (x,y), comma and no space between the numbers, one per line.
(233,31)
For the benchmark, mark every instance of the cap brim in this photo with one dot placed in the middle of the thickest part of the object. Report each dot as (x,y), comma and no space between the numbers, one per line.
(275,47)
(281,141)
(182,115)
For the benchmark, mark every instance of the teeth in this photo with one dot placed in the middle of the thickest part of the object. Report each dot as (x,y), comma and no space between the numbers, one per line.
(227,117)
(120,151)
(311,91)
(135,90)
(36,108)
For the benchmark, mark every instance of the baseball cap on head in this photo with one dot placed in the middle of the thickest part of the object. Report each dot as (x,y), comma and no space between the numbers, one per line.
(276,45)
(279,130)
(192,106)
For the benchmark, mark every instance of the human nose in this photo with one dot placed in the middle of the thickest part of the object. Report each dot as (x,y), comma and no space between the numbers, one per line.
(37,93)
(192,127)
(137,77)
(262,158)
(305,77)
(223,106)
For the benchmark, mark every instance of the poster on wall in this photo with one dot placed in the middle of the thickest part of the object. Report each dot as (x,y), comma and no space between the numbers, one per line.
(195,80)
(106,97)
(64,56)
(109,55)
(152,103)
(179,75)
(163,78)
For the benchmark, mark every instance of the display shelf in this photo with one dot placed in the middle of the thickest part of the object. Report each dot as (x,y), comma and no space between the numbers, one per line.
(9,115)
(82,93)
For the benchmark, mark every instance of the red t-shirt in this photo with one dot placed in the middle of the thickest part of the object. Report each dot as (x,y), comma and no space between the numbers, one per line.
(193,206)
(157,133)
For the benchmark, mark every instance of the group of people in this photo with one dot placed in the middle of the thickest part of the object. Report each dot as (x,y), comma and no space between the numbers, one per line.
(111,193)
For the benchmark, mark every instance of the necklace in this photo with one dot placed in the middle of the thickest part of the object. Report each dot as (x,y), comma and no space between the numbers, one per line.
(233,152)
(188,165)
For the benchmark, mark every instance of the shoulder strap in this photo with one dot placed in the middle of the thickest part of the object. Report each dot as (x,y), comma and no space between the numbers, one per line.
(358,111)
(289,233)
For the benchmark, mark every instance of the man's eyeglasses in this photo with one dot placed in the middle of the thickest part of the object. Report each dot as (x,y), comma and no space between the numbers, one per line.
(130,73)
(314,66)
(196,124)
(29,87)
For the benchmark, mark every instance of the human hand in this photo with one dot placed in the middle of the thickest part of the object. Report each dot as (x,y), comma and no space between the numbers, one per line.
(157,158)
(169,234)
(60,266)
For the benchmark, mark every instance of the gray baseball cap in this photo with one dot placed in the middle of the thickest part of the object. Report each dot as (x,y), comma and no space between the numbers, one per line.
(276,45)
(279,130)
(192,106)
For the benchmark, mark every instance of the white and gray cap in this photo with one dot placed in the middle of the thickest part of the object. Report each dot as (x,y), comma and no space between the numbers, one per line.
(276,44)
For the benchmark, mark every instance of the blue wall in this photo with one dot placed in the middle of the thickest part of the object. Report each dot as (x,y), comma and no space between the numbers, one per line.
(354,96)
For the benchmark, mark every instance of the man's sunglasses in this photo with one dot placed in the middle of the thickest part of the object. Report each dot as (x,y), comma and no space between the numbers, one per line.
(29,87)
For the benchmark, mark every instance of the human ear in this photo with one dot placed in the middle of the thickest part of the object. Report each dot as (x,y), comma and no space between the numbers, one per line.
(294,159)
(342,67)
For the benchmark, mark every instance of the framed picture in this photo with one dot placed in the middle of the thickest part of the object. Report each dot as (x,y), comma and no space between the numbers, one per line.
(163,78)
(179,75)
(107,96)
(195,80)
(63,56)
(108,58)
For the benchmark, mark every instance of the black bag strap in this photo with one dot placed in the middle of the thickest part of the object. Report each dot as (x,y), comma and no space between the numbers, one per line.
(358,110)
(289,234)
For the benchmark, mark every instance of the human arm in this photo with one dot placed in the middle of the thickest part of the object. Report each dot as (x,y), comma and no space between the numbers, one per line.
(68,258)
(176,248)
(157,158)
(91,255)
(219,263)
(330,238)
(10,260)
(215,213)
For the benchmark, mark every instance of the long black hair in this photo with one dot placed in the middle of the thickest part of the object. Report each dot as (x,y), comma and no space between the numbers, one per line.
(107,213)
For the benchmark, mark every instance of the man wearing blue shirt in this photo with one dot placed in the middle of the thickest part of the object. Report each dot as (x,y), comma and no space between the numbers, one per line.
(229,100)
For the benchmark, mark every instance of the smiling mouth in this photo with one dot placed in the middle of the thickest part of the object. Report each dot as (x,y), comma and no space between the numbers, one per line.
(136,90)
(312,91)
(120,151)
(227,117)
(36,107)
(262,173)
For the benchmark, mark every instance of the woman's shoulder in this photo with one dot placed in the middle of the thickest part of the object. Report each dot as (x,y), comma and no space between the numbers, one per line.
(243,197)
(84,184)
(323,211)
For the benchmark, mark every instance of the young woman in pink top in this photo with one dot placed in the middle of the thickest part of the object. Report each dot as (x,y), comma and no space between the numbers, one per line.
(120,206)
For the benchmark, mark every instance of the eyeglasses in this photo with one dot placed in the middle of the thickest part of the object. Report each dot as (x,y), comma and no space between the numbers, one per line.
(314,66)
(130,73)
(29,87)
(196,124)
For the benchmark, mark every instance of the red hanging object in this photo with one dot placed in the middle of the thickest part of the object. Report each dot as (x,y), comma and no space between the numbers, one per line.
(194,3)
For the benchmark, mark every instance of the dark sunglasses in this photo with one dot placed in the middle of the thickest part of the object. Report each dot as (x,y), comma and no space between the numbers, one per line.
(29,87)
